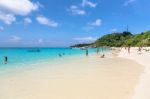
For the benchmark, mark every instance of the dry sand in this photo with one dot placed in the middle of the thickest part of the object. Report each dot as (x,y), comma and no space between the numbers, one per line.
(76,78)
(142,90)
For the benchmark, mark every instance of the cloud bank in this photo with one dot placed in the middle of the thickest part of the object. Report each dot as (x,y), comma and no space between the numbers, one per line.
(9,9)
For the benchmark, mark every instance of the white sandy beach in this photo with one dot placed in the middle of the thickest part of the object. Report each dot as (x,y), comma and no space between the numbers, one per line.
(142,90)
(78,78)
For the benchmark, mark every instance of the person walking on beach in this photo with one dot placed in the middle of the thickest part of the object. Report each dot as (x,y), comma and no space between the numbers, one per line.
(129,49)
(5,59)
(87,52)
(140,49)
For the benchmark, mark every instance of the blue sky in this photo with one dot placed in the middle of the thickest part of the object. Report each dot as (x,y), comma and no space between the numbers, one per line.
(53,23)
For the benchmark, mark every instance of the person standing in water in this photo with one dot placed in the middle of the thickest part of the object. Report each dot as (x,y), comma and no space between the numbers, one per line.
(5,59)
(87,52)
(59,55)
(97,51)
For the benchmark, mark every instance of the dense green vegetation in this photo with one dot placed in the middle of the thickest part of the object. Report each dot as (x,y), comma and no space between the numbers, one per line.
(114,39)
(124,39)
(81,45)
(142,39)
(121,39)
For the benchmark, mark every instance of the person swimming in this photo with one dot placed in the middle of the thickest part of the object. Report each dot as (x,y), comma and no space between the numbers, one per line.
(5,59)
(59,55)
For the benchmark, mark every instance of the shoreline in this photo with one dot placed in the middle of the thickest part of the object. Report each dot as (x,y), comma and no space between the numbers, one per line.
(6,68)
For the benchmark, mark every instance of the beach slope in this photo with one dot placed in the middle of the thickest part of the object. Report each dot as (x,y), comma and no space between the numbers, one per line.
(76,78)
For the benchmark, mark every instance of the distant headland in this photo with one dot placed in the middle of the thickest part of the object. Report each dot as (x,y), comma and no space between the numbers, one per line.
(120,39)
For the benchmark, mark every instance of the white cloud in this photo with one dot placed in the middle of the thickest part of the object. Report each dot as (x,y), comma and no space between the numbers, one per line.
(1,28)
(85,39)
(88,3)
(27,20)
(97,22)
(14,39)
(127,2)
(9,9)
(75,10)
(40,41)
(45,21)
(18,7)
(92,25)
(113,30)
(79,9)
(7,18)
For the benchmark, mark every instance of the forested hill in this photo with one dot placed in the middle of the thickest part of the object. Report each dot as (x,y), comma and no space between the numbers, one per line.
(142,39)
(114,39)
(122,39)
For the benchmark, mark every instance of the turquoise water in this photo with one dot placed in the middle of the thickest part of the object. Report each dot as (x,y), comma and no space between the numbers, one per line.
(21,56)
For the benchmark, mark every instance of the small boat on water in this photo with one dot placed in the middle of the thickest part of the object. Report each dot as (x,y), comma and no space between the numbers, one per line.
(34,50)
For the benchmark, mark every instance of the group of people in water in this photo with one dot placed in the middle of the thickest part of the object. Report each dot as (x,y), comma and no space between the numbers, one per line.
(60,55)
(86,53)
(97,51)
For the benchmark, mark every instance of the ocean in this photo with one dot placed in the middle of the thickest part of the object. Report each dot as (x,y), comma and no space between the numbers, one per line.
(21,57)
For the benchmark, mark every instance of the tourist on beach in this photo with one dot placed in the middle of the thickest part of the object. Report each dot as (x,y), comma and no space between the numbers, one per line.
(139,49)
(87,52)
(5,59)
(103,56)
(129,49)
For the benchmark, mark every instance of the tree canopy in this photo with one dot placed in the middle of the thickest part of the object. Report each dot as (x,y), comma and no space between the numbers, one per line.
(114,39)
